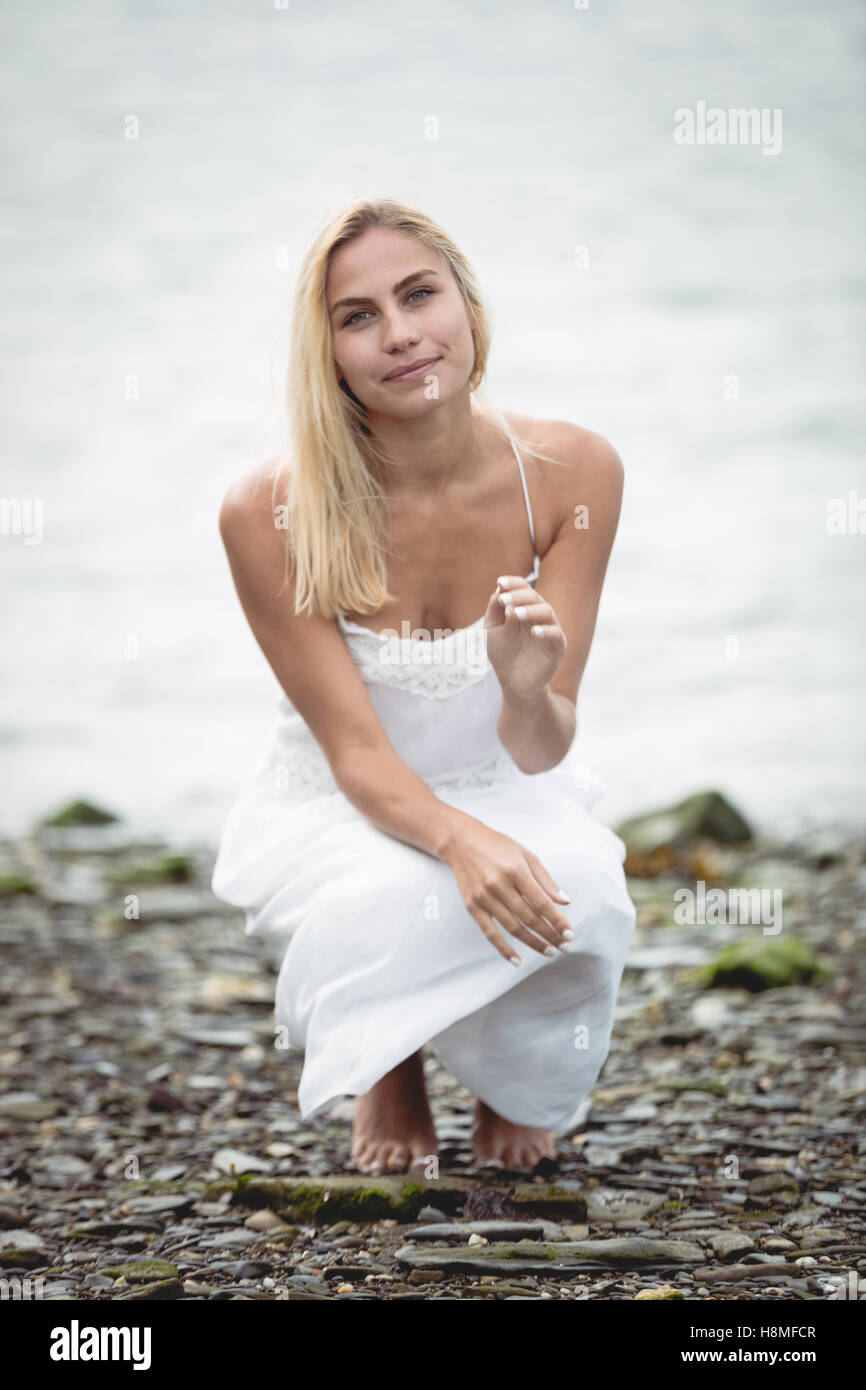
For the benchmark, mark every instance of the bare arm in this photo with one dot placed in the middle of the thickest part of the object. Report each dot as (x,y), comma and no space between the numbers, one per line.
(538,719)
(309,659)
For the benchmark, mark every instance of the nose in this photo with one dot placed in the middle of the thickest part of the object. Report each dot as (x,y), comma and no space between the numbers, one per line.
(398,331)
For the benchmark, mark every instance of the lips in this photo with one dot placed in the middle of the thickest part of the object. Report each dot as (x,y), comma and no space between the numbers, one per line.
(410,369)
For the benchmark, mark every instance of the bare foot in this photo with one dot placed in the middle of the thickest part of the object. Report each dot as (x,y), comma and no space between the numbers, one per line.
(498,1141)
(394,1130)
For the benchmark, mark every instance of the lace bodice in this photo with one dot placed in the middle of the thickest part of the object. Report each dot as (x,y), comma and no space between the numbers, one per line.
(434,667)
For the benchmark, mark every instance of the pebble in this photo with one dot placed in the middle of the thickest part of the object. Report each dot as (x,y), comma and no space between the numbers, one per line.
(149,1082)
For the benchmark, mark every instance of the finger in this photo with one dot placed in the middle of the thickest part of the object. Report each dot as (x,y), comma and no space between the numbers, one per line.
(521,593)
(546,879)
(496,939)
(539,937)
(534,612)
(540,901)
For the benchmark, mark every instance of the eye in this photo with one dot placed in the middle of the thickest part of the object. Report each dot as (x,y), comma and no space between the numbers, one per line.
(425,290)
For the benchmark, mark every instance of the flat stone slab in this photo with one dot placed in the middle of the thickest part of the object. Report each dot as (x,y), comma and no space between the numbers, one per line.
(397,1196)
(560,1257)
(730,1274)
(462,1230)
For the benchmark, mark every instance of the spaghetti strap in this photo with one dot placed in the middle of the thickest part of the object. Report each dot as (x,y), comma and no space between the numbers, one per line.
(526,495)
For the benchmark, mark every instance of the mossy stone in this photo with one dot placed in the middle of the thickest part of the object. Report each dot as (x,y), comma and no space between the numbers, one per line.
(79,813)
(758,963)
(12,884)
(141,1271)
(706,814)
(165,868)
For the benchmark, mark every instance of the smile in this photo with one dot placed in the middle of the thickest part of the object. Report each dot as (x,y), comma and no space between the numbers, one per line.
(412,373)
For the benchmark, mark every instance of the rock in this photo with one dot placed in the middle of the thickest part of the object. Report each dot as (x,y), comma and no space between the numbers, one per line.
(729,1243)
(399,1196)
(162,868)
(21,1249)
(609,1206)
(704,814)
(429,1215)
(268,1221)
(159,1290)
(224,1239)
(760,963)
(162,1100)
(531,1257)
(79,813)
(778,1245)
(731,1274)
(141,1271)
(772,1189)
(27,1105)
(157,1206)
(11,885)
(234,1161)
(21,1239)
(663,1292)
(460,1231)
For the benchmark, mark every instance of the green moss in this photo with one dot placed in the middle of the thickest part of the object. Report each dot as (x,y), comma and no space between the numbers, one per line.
(21,1259)
(516,1252)
(79,813)
(11,884)
(760,963)
(141,1271)
(167,868)
(672,1206)
(343,1198)
(710,1084)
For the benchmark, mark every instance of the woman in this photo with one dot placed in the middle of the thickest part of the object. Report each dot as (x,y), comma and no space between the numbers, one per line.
(415,839)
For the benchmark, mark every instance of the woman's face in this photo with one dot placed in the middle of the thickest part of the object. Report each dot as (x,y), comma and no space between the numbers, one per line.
(406,309)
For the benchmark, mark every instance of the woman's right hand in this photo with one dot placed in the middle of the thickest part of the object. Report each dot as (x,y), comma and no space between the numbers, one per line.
(500,879)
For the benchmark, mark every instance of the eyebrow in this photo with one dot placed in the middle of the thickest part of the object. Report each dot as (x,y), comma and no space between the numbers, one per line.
(368,299)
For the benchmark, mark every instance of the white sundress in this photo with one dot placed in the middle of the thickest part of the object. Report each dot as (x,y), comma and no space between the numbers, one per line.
(377,952)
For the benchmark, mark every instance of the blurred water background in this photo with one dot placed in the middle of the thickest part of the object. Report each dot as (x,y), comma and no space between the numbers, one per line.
(146,285)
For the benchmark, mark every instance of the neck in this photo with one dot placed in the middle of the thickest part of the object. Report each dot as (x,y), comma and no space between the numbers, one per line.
(430,453)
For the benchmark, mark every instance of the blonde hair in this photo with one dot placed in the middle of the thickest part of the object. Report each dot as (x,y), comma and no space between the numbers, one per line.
(333,508)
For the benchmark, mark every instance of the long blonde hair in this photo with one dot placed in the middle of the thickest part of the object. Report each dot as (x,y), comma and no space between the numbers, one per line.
(333,505)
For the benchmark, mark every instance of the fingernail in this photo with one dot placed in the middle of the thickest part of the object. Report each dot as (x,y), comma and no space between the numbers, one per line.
(568,935)
(549,951)
(564,896)
(567,948)
(515,960)
(503,583)
(520,612)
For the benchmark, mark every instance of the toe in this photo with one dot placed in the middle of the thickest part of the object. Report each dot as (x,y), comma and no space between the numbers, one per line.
(395,1158)
(420,1155)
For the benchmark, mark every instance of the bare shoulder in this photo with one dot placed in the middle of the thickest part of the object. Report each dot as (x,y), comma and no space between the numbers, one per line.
(587,469)
(575,446)
(250,498)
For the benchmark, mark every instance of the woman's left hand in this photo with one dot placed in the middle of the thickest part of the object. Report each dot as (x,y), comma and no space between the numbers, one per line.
(525,643)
